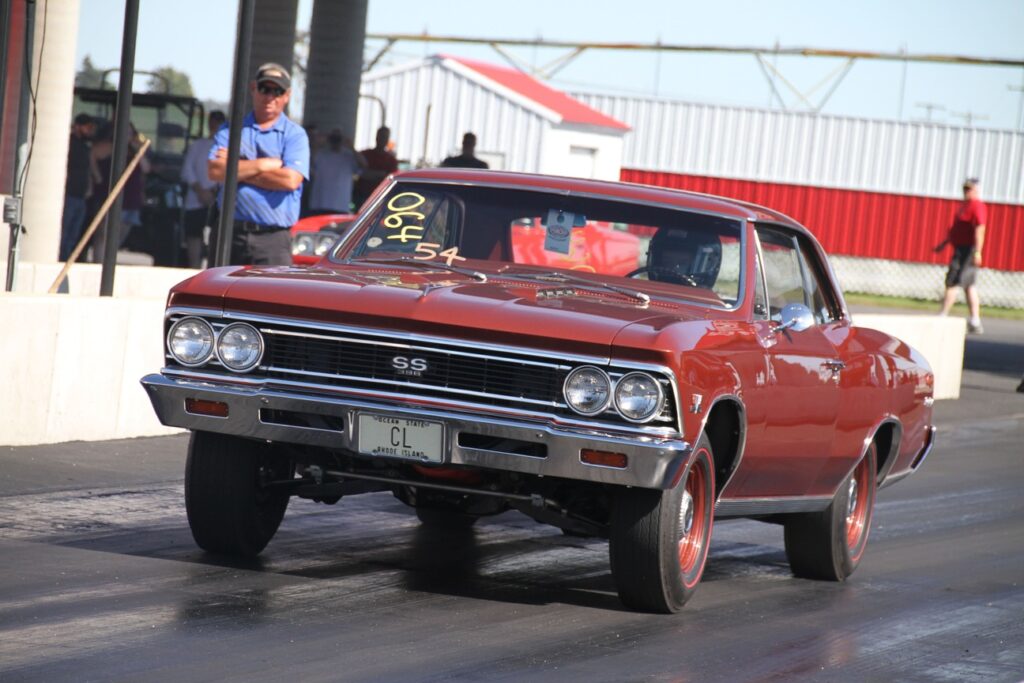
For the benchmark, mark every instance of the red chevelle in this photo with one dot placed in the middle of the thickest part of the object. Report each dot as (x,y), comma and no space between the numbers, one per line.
(440,354)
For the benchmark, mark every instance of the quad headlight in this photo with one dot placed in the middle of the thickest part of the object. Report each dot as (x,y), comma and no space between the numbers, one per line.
(587,390)
(638,397)
(304,244)
(239,347)
(324,241)
(190,341)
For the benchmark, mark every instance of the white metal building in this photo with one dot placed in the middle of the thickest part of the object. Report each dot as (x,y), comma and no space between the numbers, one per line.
(521,124)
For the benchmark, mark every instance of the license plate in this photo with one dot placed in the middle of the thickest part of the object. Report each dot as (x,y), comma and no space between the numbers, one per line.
(397,437)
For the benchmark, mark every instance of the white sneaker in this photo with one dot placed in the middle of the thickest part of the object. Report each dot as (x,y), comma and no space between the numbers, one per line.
(975,328)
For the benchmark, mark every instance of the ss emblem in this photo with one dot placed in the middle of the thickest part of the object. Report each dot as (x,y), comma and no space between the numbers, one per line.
(409,366)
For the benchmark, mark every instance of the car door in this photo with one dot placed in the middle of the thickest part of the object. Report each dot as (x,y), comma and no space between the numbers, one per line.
(799,395)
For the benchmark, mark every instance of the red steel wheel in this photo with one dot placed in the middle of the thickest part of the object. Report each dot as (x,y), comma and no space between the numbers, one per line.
(694,522)
(828,545)
(659,540)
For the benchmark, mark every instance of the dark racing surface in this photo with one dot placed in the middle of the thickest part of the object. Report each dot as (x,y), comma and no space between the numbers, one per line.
(100,579)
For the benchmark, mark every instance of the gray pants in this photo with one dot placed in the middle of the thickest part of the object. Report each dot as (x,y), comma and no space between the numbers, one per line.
(270,248)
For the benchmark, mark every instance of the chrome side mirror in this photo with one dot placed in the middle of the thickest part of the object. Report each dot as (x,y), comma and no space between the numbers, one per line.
(796,317)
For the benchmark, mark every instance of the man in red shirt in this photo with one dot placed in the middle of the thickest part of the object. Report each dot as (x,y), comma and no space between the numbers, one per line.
(967,236)
(380,163)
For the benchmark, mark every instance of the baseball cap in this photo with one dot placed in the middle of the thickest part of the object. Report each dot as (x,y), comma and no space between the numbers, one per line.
(970,183)
(83,119)
(275,73)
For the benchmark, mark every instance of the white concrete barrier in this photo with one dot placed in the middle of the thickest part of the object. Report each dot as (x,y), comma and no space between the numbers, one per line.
(940,340)
(70,363)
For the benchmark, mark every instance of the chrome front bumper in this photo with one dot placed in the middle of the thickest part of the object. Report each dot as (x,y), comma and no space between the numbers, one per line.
(653,462)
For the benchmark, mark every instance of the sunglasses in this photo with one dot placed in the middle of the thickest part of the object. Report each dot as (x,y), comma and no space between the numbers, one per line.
(270,90)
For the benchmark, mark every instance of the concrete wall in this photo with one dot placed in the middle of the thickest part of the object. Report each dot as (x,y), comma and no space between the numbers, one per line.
(940,340)
(70,363)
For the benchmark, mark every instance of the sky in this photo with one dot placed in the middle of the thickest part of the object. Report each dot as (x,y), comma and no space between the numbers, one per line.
(990,96)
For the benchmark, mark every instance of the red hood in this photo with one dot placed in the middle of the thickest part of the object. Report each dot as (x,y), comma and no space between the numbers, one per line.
(434,302)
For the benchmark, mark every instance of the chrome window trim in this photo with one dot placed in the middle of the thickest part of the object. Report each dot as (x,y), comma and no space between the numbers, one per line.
(750,217)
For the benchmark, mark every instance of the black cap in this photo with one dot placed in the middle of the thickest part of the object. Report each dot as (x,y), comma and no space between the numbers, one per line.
(83,119)
(275,73)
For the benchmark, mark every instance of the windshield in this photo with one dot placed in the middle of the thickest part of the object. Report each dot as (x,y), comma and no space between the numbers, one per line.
(614,244)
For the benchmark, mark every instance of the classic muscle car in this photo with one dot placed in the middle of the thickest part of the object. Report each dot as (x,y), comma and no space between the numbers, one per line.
(720,376)
(313,236)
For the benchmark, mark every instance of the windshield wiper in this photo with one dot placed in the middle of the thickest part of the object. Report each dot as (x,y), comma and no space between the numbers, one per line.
(408,261)
(564,278)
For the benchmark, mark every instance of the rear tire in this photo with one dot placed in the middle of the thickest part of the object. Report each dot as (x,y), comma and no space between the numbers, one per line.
(828,545)
(229,512)
(659,539)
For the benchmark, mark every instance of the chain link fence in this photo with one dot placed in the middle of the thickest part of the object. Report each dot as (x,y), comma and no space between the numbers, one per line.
(1000,288)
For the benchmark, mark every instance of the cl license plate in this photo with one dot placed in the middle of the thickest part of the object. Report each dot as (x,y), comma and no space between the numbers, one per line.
(401,438)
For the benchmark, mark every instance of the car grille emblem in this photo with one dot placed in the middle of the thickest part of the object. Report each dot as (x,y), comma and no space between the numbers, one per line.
(409,367)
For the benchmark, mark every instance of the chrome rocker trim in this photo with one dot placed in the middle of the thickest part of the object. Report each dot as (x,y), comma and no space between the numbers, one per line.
(654,463)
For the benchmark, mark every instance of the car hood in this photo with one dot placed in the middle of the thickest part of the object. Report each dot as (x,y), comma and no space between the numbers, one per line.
(564,318)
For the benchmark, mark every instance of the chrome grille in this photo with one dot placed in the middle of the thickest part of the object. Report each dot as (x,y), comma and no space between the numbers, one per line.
(329,356)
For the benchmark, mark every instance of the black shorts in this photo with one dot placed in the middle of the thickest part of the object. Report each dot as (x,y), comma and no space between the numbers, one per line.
(962,270)
(197,219)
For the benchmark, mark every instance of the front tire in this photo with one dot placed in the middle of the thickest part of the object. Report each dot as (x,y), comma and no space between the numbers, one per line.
(660,539)
(229,511)
(828,545)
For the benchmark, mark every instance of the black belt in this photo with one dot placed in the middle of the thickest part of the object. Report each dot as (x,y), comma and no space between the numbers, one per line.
(250,226)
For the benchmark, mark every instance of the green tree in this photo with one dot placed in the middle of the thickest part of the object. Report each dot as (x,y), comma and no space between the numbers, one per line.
(167,79)
(89,76)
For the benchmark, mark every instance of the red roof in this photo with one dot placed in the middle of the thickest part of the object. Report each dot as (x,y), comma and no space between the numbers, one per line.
(571,111)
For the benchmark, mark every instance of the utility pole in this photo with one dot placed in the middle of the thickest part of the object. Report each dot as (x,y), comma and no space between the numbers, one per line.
(969,117)
(929,107)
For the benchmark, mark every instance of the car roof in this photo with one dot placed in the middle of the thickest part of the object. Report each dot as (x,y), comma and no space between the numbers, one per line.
(682,199)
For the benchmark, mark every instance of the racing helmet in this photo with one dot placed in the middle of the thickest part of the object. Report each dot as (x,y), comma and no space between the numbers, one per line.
(685,256)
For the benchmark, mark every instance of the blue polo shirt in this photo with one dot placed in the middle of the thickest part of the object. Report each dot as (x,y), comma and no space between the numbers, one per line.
(285,140)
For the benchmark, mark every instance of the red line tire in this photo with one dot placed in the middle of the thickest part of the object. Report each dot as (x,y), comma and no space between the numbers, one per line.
(229,512)
(829,545)
(659,540)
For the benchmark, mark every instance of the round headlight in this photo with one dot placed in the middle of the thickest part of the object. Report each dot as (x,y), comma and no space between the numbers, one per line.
(303,244)
(239,347)
(324,241)
(587,390)
(190,341)
(638,397)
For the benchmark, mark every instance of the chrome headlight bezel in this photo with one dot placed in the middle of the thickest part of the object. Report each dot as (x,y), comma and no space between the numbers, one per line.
(304,244)
(324,242)
(599,374)
(659,403)
(211,342)
(253,360)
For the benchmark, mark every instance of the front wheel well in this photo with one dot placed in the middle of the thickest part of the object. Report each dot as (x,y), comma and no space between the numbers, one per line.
(724,428)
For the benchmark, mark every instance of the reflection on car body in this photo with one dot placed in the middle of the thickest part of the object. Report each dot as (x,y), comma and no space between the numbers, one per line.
(616,360)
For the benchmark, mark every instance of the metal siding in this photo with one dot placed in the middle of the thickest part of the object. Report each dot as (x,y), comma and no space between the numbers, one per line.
(458,105)
(801,148)
(865,224)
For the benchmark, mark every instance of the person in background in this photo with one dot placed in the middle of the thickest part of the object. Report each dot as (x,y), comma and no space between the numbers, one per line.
(201,198)
(134,190)
(380,163)
(76,187)
(967,237)
(334,169)
(273,163)
(468,158)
